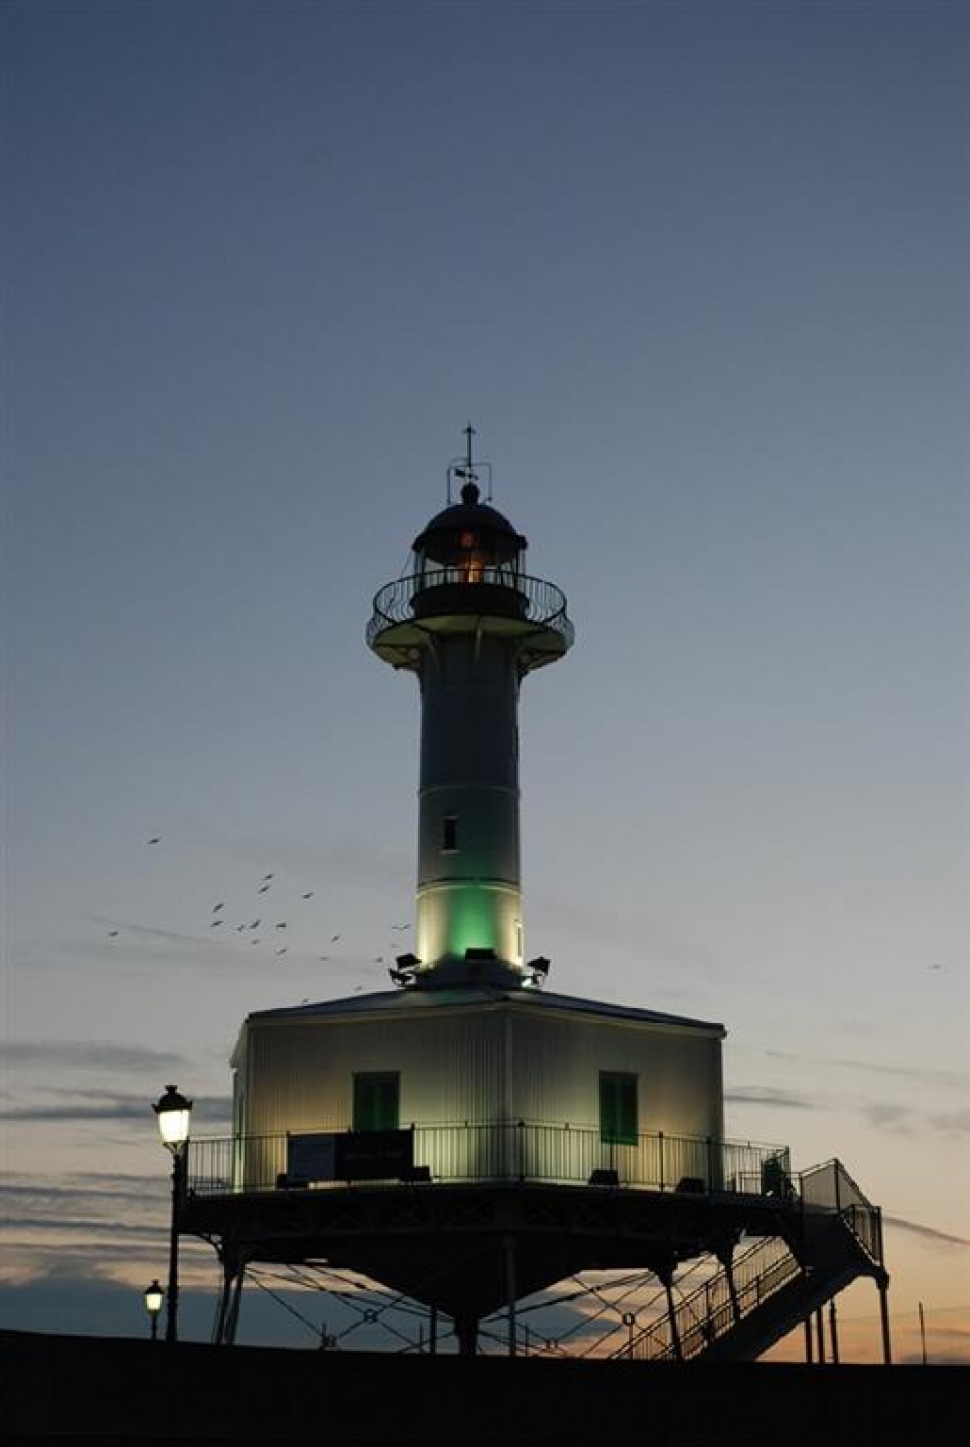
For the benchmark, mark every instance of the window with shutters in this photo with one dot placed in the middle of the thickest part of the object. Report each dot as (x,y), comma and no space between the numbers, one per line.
(618,1108)
(377,1096)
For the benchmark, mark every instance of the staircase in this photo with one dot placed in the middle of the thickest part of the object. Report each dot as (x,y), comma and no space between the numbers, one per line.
(829,1235)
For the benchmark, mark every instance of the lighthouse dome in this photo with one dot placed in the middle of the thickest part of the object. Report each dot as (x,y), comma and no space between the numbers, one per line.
(469,527)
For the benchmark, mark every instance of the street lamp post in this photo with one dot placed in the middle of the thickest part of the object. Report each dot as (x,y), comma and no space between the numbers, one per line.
(154,1296)
(173,1112)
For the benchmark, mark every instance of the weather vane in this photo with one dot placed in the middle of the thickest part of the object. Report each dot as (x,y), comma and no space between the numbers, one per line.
(464,468)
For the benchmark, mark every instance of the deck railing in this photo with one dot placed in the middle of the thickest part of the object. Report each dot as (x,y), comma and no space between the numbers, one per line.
(510,1151)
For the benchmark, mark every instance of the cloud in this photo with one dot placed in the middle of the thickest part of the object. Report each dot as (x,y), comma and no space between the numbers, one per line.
(951,1079)
(955,1124)
(103,1105)
(772,1099)
(151,932)
(926,1233)
(89,1055)
(85,1191)
(904,1120)
(85,1224)
(889,1117)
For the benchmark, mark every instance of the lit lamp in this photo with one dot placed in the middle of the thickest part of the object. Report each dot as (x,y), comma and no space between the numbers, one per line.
(173,1112)
(154,1296)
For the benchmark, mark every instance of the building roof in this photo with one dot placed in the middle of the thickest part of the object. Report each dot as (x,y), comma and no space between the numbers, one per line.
(412,1000)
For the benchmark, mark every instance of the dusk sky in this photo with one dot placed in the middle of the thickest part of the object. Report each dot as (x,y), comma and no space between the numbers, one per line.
(698,275)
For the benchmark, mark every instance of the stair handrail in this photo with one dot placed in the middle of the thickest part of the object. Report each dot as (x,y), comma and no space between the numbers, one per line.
(758,1273)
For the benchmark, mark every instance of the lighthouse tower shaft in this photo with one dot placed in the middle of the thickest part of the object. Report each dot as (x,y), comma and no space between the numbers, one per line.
(469,885)
(471,624)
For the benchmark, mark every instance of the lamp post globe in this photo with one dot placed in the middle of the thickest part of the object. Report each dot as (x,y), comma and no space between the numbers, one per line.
(173,1111)
(154,1296)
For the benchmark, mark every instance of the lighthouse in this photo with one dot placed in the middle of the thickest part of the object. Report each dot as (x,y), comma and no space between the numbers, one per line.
(469,1138)
(470,622)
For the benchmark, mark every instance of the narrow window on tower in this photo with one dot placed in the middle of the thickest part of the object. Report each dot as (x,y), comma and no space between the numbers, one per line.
(449,834)
(618,1108)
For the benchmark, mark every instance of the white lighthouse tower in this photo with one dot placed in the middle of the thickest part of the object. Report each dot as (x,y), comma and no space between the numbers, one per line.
(470,622)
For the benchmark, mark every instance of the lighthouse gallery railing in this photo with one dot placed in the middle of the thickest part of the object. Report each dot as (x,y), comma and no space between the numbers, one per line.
(513,1151)
(542,602)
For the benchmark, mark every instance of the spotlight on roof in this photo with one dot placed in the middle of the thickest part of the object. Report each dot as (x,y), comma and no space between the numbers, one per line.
(537,969)
(404,974)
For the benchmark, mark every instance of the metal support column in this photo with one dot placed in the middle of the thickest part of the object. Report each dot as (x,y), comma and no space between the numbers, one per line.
(667,1277)
(232,1316)
(725,1256)
(887,1355)
(510,1291)
(466,1330)
(222,1310)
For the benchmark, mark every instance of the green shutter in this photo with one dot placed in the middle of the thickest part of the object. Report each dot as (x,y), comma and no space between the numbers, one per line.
(377,1101)
(618,1108)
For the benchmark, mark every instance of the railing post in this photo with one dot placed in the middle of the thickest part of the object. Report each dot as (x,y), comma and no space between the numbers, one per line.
(660,1157)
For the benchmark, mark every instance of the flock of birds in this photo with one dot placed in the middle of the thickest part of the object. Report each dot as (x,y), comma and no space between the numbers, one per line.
(262,924)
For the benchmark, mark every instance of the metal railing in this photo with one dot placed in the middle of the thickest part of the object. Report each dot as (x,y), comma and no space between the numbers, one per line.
(758,1273)
(709,1312)
(537,601)
(829,1187)
(509,1151)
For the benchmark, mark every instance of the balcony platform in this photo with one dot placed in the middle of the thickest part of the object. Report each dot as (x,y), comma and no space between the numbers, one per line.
(455,1245)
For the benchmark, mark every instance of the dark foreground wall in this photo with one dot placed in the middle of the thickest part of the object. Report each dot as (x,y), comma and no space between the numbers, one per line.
(123,1392)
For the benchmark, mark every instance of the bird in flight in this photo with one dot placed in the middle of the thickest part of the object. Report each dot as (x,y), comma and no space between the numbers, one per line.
(267,876)
(281,925)
(309,894)
(262,889)
(113,933)
(334,938)
(157,839)
(220,905)
(282,951)
(214,923)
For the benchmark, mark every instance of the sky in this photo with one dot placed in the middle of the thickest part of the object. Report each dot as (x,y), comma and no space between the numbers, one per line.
(697,273)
